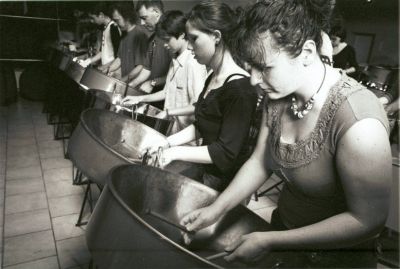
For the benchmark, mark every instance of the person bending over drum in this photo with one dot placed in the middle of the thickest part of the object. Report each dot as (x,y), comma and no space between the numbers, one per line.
(185,78)
(226,106)
(323,133)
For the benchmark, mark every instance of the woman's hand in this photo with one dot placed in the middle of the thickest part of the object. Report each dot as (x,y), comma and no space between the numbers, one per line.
(201,218)
(131,100)
(249,248)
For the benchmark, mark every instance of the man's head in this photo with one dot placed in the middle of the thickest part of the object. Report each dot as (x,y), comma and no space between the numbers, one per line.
(171,29)
(100,13)
(150,12)
(124,15)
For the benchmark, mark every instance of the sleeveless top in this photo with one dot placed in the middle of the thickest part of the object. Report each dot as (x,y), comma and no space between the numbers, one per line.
(107,49)
(311,160)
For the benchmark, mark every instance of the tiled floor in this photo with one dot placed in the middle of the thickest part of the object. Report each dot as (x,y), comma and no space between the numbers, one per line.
(39,206)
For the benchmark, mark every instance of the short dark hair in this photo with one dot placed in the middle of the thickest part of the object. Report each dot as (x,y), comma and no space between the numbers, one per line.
(101,7)
(172,23)
(338,31)
(127,11)
(290,24)
(150,3)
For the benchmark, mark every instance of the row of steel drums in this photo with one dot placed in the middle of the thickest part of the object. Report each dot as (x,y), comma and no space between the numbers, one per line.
(131,223)
(121,233)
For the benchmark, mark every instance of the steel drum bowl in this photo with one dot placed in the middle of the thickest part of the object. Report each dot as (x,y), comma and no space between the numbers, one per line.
(147,115)
(65,60)
(121,234)
(94,79)
(75,71)
(104,139)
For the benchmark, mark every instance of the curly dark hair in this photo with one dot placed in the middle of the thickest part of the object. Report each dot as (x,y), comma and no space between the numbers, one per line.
(290,23)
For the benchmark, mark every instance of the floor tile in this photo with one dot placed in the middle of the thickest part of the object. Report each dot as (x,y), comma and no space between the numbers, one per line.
(21,128)
(58,174)
(262,202)
(66,205)
(23,186)
(23,161)
(44,135)
(2,180)
(64,227)
(56,152)
(21,134)
(26,141)
(52,163)
(46,263)
(265,213)
(21,151)
(28,247)
(1,200)
(62,188)
(25,202)
(25,172)
(1,217)
(27,222)
(49,144)
(73,252)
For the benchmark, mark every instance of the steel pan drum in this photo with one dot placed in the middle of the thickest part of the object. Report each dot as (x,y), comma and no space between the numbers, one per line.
(146,114)
(94,79)
(75,71)
(120,233)
(104,139)
(65,60)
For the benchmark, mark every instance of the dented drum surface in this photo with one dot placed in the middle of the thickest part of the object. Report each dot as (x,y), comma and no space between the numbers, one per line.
(103,140)
(121,233)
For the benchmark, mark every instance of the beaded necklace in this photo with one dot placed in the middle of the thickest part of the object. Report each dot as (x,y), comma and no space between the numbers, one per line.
(308,105)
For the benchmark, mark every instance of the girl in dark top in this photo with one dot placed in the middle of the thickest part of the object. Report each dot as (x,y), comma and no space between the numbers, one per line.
(344,55)
(226,106)
(323,134)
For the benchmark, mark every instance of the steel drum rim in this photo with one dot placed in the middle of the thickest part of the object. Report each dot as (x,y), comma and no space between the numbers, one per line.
(115,80)
(115,195)
(98,140)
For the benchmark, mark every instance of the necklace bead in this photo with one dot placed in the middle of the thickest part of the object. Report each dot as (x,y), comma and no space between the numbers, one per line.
(308,105)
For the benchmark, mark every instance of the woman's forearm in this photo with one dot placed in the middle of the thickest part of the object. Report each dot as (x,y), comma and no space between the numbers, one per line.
(339,231)
(191,154)
(185,136)
(181,111)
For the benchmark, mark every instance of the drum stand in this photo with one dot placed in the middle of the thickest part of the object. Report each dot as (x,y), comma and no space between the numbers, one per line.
(78,179)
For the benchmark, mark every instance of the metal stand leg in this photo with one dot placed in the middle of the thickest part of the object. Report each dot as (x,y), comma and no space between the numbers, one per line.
(87,197)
